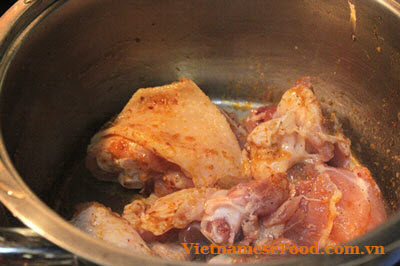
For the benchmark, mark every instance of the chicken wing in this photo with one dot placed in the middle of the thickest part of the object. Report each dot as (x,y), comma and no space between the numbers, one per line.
(99,221)
(176,210)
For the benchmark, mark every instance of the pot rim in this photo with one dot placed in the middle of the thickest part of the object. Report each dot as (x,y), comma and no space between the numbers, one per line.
(15,25)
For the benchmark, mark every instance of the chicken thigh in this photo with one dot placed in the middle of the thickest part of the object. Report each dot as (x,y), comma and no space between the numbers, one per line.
(171,133)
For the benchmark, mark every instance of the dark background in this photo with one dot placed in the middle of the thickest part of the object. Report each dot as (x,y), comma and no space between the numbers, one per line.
(5,4)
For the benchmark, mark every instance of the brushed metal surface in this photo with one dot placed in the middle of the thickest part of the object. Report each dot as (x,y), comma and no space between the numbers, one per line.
(79,62)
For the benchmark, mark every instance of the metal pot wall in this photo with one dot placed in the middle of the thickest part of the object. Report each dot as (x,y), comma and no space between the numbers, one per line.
(69,66)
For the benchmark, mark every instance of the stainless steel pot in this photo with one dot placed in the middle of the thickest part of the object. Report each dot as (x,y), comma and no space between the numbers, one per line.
(68,66)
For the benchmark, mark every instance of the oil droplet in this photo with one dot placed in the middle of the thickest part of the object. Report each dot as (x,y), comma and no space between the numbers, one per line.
(353,37)
(11,193)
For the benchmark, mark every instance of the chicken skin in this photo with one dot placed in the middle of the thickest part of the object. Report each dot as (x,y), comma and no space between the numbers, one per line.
(169,130)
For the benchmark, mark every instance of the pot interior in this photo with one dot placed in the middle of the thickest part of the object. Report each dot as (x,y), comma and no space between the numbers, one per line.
(80,64)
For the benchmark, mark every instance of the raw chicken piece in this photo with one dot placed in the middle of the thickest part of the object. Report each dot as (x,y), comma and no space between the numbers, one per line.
(170,251)
(330,206)
(241,207)
(137,208)
(296,133)
(99,221)
(360,209)
(312,222)
(378,212)
(176,210)
(173,126)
